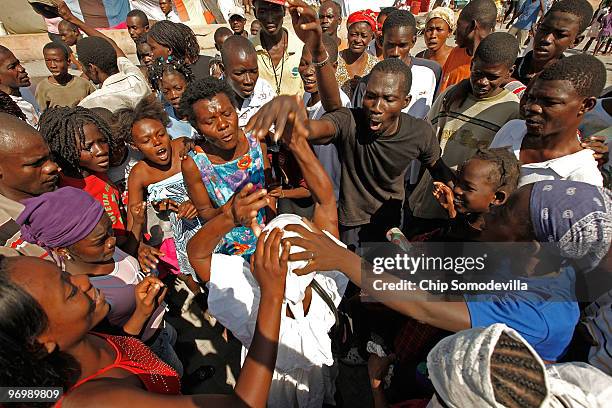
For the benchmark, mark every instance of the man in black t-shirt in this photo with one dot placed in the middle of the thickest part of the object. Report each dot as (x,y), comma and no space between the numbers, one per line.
(375,144)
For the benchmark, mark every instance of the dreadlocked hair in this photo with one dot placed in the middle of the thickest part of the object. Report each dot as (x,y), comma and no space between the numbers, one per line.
(171,66)
(61,126)
(178,37)
(24,362)
(149,107)
(516,375)
(507,167)
(8,105)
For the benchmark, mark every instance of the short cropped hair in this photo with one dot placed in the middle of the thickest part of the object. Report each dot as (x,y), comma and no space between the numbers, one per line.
(140,14)
(579,8)
(395,66)
(586,73)
(399,18)
(57,46)
(206,89)
(99,52)
(498,48)
(484,12)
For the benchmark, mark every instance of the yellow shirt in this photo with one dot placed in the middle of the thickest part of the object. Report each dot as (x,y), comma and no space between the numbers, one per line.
(286,73)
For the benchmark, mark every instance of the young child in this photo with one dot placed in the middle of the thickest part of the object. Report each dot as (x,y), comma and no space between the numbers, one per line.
(144,53)
(74,227)
(61,88)
(547,142)
(225,159)
(158,178)
(221,34)
(484,181)
(81,141)
(170,79)
(255,28)
(462,128)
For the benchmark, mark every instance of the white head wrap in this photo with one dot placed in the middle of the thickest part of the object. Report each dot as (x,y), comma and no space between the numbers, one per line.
(460,369)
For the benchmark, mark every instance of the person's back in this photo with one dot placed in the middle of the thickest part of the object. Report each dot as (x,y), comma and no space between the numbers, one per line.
(123,85)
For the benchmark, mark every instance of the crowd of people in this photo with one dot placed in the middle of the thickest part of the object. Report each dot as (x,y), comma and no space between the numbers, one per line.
(259,178)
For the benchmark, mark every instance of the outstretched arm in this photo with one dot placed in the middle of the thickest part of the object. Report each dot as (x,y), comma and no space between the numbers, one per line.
(253,384)
(276,112)
(323,254)
(66,14)
(319,183)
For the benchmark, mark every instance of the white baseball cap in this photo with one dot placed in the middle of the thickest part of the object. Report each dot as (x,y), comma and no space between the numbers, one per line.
(236,11)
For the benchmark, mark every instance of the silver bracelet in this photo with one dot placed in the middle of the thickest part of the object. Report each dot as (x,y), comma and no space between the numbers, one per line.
(320,64)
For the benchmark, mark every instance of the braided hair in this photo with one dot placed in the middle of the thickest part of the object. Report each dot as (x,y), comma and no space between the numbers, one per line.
(517,377)
(61,126)
(8,105)
(177,37)
(170,66)
(24,362)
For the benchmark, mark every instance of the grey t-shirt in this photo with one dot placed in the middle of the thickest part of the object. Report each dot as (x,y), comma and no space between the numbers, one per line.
(373,168)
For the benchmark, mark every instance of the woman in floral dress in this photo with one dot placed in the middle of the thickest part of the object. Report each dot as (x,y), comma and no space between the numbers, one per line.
(224,160)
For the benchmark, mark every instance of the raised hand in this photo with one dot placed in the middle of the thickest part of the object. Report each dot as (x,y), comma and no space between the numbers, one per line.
(305,23)
(148,257)
(275,113)
(599,146)
(166,205)
(63,10)
(270,264)
(245,204)
(187,210)
(320,251)
(149,294)
(444,195)
(139,212)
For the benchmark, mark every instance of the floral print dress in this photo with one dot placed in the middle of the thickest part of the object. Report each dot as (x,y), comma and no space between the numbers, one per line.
(222,181)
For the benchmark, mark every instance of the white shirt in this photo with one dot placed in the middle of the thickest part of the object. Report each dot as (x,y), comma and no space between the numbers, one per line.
(30,112)
(262,94)
(421,92)
(121,90)
(579,166)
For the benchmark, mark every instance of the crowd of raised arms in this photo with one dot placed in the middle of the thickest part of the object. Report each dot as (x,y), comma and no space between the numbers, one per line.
(255,188)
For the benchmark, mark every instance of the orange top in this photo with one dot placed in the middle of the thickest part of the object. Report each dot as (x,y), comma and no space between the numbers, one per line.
(456,68)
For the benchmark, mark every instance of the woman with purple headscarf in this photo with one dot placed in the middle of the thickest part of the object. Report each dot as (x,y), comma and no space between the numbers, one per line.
(73,226)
